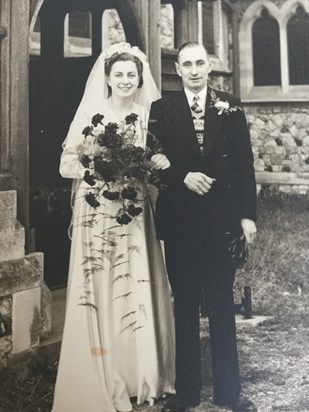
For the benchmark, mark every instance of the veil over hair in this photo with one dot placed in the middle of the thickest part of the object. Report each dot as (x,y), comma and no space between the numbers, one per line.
(96,91)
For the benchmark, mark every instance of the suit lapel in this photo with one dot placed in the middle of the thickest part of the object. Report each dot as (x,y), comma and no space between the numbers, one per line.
(212,123)
(182,118)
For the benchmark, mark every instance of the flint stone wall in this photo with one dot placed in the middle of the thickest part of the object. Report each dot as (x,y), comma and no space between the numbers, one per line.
(280,139)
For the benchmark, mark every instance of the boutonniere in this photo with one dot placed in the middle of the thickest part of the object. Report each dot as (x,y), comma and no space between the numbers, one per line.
(222,106)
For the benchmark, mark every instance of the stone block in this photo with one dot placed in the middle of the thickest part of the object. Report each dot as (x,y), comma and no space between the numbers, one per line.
(269,126)
(266,159)
(26,319)
(21,274)
(295,168)
(280,150)
(291,149)
(8,209)
(306,141)
(294,131)
(12,243)
(259,165)
(278,120)
(254,135)
(276,159)
(302,133)
(305,168)
(46,311)
(287,139)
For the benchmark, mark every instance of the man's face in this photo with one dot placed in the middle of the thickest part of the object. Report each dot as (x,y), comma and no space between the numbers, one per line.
(193,67)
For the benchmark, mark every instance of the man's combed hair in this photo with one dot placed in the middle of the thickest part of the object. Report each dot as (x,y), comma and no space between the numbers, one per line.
(188,45)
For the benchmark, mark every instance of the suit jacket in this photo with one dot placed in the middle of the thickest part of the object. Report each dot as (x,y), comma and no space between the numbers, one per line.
(227,157)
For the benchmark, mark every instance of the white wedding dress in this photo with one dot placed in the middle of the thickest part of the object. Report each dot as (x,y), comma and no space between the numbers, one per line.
(120,344)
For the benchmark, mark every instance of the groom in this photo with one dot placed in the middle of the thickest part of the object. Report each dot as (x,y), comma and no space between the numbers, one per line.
(208,198)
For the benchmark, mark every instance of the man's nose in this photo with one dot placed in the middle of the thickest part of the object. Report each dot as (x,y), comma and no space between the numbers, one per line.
(193,69)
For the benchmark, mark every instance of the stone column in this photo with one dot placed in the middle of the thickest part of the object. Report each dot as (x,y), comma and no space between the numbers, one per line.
(149,14)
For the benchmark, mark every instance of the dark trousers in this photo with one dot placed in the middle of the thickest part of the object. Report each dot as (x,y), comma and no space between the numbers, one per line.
(188,274)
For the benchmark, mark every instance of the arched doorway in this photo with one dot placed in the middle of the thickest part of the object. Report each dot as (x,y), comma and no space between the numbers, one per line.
(67,36)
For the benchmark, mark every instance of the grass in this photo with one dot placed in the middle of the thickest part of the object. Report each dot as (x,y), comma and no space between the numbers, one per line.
(274,361)
(278,266)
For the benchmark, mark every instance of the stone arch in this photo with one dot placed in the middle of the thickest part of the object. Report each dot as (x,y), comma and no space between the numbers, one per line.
(126,12)
(289,9)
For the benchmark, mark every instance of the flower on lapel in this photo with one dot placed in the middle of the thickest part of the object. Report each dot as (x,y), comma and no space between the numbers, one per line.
(222,106)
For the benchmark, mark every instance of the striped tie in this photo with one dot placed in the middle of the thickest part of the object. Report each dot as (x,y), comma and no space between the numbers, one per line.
(198,120)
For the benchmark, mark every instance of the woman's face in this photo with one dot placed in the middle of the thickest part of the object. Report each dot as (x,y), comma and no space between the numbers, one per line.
(123,79)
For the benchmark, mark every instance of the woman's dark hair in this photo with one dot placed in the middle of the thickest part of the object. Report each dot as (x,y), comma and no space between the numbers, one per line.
(124,57)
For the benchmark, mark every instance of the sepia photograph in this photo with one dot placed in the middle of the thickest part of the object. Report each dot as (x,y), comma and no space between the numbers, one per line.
(154,205)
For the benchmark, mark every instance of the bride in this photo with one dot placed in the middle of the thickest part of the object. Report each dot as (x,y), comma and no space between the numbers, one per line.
(122,344)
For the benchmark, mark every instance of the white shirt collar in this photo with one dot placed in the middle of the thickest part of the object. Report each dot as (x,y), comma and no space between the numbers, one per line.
(202,95)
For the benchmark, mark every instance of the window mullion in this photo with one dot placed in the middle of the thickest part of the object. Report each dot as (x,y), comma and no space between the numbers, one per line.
(284,60)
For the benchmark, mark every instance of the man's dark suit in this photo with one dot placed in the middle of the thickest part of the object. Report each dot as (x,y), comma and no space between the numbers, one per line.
(195,230)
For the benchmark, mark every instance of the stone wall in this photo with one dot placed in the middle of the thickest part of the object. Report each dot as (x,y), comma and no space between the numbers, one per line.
(24,299)
(280,138)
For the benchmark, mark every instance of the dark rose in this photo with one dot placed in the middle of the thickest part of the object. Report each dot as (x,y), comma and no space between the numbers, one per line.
(89,178)
(131,118)
(111,195)
(138,172)
(91,200)
(97,118)
(134,211)
(137,152)
(109,140)
(105,169)
(129,193)
(124,219)
(85,160)
(87,131)
(111,128)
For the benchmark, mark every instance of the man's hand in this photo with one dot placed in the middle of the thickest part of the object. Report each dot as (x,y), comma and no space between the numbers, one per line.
(160,161)
(249,229)
(198,182)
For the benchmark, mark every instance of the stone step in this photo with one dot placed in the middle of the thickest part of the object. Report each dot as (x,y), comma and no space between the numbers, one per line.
(21,274)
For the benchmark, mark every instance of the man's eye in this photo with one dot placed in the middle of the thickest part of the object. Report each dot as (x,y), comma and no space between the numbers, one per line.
(187,64)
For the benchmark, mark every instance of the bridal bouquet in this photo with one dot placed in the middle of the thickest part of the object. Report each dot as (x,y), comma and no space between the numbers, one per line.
(117,168)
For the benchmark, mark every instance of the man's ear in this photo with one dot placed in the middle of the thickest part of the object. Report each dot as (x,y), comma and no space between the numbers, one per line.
(209,67)
(177,69)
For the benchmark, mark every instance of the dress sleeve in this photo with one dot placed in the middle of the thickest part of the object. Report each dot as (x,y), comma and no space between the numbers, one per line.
(70,166)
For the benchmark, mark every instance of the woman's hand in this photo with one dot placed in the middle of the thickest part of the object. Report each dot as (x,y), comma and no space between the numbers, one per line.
(160,161)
